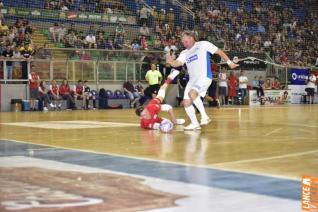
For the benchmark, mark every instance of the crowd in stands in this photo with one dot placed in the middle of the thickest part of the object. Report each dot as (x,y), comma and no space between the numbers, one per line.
(16,43)
(274,28)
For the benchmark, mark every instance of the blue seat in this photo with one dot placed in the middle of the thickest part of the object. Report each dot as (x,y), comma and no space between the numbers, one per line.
(120,95)
(110,94)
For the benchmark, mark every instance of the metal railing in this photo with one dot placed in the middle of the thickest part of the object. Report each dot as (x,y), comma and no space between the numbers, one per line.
(86,64)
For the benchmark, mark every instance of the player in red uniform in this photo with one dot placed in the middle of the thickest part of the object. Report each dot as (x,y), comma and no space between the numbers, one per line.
(149,118)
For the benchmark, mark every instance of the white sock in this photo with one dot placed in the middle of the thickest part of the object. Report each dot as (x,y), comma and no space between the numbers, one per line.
(199,104)
(161,93)
(191,113)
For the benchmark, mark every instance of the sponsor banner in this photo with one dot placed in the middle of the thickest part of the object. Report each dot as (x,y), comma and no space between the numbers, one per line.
(298,76)
(68,15)
(309,197)
(297,91)
(272,97)
(249,64)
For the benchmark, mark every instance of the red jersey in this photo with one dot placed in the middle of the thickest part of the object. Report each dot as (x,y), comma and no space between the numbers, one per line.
(54,89)
(154,108)
(79,89)
(64,89)
(34,76)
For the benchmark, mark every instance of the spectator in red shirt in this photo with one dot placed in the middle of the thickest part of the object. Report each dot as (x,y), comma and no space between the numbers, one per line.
(79,91)
(34,86)
(233,83)
(149,118)
(55,95)
(66,94)
(44,96)
(276,84)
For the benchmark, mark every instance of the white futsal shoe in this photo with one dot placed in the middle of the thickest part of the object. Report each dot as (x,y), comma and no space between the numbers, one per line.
(180,121)
(192,127)
(205,121)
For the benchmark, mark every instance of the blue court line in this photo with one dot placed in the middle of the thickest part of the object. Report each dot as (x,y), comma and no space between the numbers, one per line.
(250,183)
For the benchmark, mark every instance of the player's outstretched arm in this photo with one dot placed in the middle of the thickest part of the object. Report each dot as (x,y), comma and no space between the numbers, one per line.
(226,58)
(174,63)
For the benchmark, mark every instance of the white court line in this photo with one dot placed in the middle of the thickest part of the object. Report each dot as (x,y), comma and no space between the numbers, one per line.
(163,161)
(41,149)
(273,131)
(266,158)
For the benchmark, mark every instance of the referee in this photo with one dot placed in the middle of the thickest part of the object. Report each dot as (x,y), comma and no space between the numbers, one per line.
(154,78)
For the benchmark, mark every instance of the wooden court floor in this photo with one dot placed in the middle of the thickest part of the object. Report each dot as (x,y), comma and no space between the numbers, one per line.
(279,141)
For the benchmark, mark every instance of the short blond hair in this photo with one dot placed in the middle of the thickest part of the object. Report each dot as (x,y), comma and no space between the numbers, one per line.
(190,33)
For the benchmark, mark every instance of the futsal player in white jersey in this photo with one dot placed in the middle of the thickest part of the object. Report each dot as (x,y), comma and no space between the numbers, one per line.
(197,57)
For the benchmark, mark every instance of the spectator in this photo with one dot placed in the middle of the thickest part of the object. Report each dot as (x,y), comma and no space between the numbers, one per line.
(79,90)
(222,86)
(144,30)
(4,29)
(140,88)
(7,54)
(100,41)
(27,52)
(169,47)
(87,96)
(70,40)
(144,14)
(276,84)
(260,87)
(268,85)
(157,44)
(43,52)
(54,95)
(44,96)
(65,92)
(311,83)
(232,81)
(169,56)
(131,92)
(183,79)
(154,78)
(170,17)
(243,80)
(61,33)
(119,42)
(54,32)
(255,83)
(135,45)
(144,43)
(120,30)
(109,44)
(91,41)
(34,86)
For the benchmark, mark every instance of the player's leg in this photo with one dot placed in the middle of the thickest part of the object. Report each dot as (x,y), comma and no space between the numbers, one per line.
(162,92)
(189,109)
(169,109)
(195,94)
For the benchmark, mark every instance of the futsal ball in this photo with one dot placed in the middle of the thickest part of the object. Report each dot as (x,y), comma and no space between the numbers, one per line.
(166,126)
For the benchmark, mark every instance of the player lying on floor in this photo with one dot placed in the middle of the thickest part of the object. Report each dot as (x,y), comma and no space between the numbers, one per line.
(149,118)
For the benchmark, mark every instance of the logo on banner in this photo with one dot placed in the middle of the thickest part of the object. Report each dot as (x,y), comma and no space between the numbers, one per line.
(299,76)
(309,197)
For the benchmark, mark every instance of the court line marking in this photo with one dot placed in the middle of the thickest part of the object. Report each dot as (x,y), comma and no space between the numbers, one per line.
(267,158)
(163,161)
(41,149)
(273,131)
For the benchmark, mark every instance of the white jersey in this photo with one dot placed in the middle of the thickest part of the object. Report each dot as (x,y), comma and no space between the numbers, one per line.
(311,81)
(198,60)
